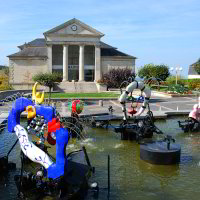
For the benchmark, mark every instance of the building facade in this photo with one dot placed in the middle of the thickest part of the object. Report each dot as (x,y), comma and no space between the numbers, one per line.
(73,49)
(192,73)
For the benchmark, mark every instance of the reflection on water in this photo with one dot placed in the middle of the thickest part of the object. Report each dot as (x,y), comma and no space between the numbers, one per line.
(131,178)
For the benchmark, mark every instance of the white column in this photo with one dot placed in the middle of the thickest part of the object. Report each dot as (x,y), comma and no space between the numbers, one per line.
(65,63)
(49,61)
(97,63)
(81,63)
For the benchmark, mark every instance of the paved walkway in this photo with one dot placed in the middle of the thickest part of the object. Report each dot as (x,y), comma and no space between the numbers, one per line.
(161,107)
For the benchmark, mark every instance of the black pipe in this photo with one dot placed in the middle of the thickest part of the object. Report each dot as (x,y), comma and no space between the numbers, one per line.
(168,145)
(12,147)
(22,169)
(108,176)
(86,157)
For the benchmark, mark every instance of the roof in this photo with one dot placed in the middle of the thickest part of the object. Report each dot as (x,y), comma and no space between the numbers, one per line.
(37,48)
(76,21)
(31,52)
(113,52)
(192,71)
(197,62)
(106,46)
(39,42)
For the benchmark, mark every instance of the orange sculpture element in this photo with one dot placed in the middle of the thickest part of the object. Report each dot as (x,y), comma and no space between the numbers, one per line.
(31,112)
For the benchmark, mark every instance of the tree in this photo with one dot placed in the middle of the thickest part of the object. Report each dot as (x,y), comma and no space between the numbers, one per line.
(197,66)
(3,67)
(115,76)
(156,71)
(48,79)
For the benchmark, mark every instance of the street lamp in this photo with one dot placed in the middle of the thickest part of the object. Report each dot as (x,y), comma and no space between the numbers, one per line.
(177,69)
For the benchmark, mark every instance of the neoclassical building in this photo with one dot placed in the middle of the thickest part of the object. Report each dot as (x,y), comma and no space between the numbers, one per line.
(73,49)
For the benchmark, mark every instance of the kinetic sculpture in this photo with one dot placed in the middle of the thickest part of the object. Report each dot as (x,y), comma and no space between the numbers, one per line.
(192,124)
(161,152)
(57,171)
(140,128)
(129,89)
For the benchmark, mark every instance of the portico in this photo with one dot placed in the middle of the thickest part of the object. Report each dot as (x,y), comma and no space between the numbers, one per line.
(76,62)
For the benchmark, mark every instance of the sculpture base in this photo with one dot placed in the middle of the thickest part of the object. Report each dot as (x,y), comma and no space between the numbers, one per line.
(158,153)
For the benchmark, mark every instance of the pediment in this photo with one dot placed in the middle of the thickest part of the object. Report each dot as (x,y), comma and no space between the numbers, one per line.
(74,27)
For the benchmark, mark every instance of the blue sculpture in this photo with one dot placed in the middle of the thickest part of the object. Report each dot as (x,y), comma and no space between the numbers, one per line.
(63,176)
(54,170)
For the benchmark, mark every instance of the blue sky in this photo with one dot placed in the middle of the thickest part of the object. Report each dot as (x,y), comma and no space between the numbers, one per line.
(155,31)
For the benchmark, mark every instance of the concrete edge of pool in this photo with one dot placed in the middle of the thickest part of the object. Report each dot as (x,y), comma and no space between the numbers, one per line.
(157,115)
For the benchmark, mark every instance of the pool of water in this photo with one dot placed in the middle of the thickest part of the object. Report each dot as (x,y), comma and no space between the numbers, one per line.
(131,178)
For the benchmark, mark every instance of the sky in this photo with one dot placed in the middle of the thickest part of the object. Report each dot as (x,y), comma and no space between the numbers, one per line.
(155,31)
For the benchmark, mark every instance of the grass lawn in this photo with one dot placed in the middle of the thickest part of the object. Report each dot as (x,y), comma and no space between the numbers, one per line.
(84,95)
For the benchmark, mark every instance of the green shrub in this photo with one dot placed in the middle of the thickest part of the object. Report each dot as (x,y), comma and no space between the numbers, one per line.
(164,83)
(48,79)
(180,89)
(194,84)
(172,80)
(4,82)
(5,87)
(156,71)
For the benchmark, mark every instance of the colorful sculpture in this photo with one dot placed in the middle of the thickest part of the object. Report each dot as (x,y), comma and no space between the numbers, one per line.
(195,113)
(129,89)
(76,106)
(193,122)
(34,153)
(138,128)
(64,177)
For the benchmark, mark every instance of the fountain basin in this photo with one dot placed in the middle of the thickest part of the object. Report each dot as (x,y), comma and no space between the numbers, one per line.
(159,153)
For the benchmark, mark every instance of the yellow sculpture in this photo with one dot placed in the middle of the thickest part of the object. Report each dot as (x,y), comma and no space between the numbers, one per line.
(37,96)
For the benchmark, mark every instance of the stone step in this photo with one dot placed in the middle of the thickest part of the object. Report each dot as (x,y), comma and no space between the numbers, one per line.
(77,87)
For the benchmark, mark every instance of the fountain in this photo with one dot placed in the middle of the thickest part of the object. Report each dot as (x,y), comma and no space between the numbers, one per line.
(163,152)
(64,177)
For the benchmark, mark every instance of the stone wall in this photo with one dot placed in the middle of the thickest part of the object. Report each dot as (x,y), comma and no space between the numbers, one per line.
(7,93)
(108,63)
(27,86)
(193,76)
(22,71)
